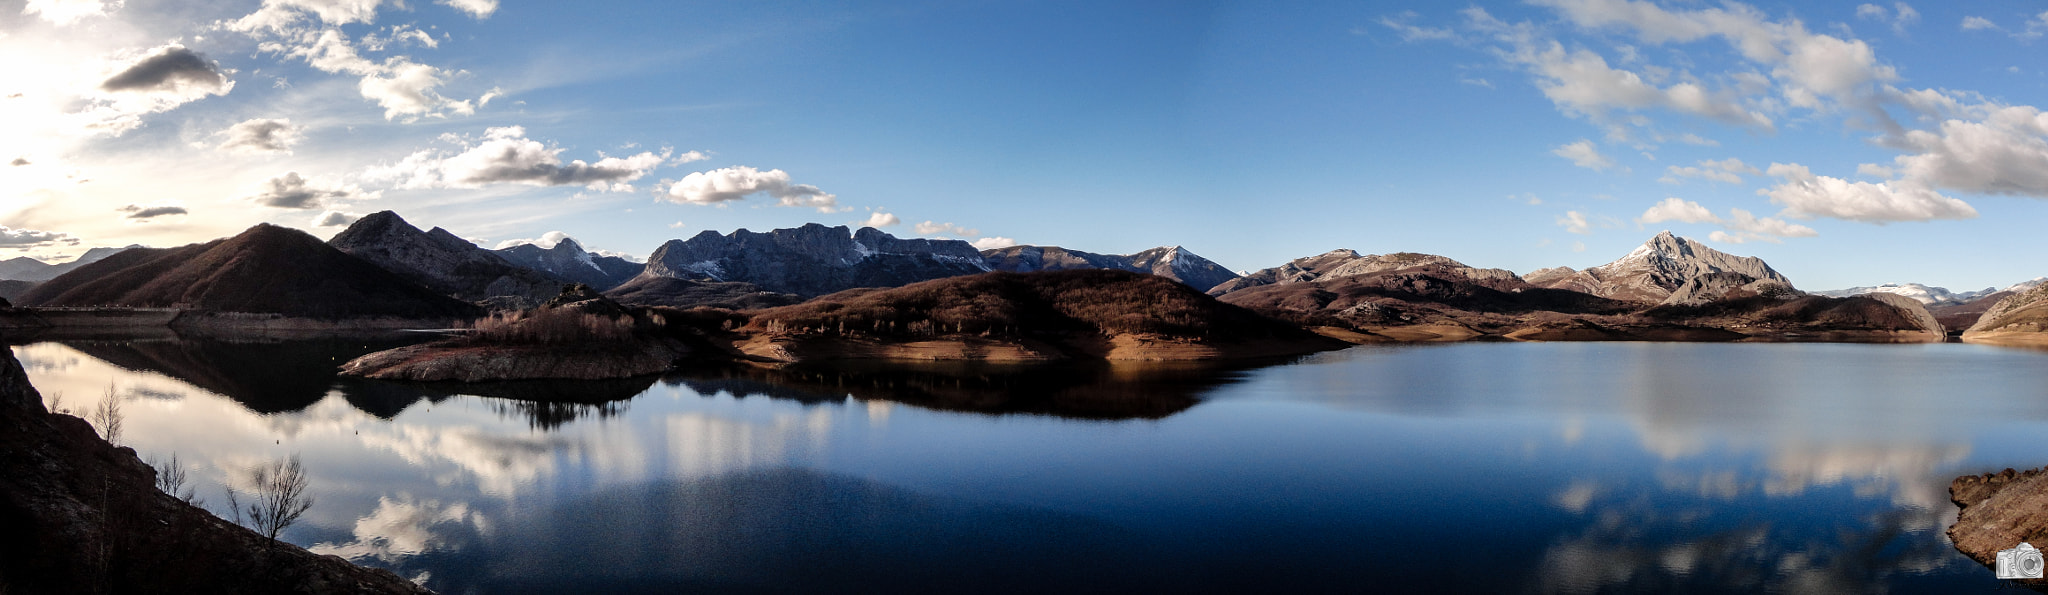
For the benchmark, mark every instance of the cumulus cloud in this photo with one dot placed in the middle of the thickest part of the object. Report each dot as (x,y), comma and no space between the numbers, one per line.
(2005,153)
(335,219)
(932,228)
(291,191)
(152,81)
(993,243)
(261,135)
(547,240)
(1728,170)
(734,183)
(65,12)
(30,238)
(1900,16)
(880,219)
(505,156)
(1805,195)
(1738,227)
(1978,24)
(142,212)
(690,156)
(476,8)
(275,15)
(170,67)
(400,85)
(1584,154)
(1677,209)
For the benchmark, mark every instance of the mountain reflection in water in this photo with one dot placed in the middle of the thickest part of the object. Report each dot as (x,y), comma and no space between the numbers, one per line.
(1559,468)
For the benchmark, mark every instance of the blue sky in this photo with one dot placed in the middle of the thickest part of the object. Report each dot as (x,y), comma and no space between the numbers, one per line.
(1847,144)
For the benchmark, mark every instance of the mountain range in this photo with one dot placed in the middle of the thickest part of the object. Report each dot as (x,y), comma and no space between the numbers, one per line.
(267,269)
(1669,280)
(1172,262)
(23,268)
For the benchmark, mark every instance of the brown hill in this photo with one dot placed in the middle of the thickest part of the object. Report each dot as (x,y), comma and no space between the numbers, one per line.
(2018,319)
(653,290)
(1415,295)
(1083,314)
(267,269)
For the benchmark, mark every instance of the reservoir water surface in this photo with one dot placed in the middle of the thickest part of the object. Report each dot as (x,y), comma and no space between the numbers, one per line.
(1484,467)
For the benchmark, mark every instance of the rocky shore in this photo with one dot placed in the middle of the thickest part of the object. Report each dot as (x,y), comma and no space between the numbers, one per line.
(79,515)
(2000,510)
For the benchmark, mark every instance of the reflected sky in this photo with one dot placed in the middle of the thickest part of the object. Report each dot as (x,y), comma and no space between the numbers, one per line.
(1564,468)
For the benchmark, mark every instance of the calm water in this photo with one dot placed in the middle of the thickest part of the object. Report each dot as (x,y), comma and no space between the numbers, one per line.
(1547,468)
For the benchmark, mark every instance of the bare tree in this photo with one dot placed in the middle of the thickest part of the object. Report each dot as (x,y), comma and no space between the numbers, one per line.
(56,404)
(108,416)
(170,477)
(280,497)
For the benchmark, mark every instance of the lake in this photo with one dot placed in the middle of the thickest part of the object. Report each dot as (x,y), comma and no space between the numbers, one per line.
(1480,467)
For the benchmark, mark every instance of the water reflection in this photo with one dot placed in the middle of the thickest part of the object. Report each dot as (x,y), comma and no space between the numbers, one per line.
(1575,468)
(1152,390)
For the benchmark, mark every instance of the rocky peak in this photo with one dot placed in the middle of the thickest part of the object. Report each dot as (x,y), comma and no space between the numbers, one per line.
(813,259)
(1338,264)
(441,260)
(1656,269)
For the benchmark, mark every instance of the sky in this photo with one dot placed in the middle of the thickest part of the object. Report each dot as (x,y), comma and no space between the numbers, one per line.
(1846,144)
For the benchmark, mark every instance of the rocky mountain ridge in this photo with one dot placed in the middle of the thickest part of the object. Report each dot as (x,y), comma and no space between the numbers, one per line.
(23,268)
(442,262)
(1337,264)
(568,261)
(814,259)
(1653,271)
(1172,262)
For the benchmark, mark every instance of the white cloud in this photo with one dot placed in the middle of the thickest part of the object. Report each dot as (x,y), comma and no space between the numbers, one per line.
(1906,15)
(403,87)
(1740,225)
(880,219)
(1978,24)
(151,81)
(993,243)
(275,15)
(29,238)
(261,135)
(1584,154)
(690,157)
(335,219)
(1804,194)
(1676,209)
(506,156)
(291,191)
(476,8)
(1728,170)
(1575,222)
(2006,153)
(547,240)
(931,228)
(734,183)
(142,213)
(65,12)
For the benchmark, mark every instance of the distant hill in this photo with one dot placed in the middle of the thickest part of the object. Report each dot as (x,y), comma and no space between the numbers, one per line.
(442,262)
(1654,270)
(267,269)
(1087,314)
(568,261)
(1337,264)
(814,259)
(23,268)
(648,290)
(1172,262)
(1431,289)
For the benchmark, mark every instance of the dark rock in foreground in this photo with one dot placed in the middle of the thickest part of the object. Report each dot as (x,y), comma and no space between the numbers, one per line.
(2000,510)
(79,515)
